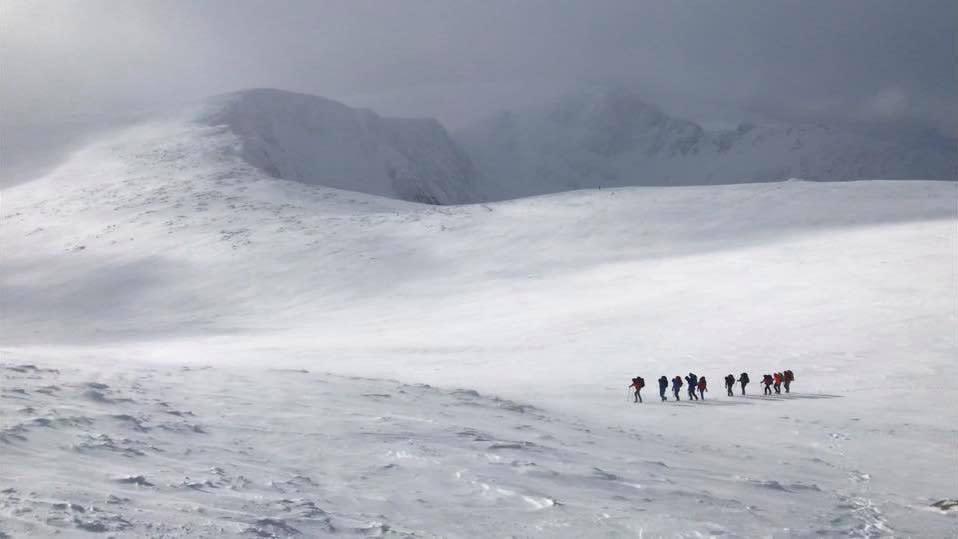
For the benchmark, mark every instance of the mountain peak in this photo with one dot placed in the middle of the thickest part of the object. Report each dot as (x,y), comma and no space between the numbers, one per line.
(315,140)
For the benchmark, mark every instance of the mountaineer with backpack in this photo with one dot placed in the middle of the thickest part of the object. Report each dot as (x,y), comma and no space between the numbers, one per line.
(778,382)
(729,384)
(789,378)
(767,382)
(677,386)
(743,379)
(693,381)
(702,387)
(663,387)
(638,383)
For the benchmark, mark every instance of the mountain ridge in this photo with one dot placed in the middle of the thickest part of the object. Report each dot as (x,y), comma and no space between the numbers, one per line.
(613,138)
(315,140)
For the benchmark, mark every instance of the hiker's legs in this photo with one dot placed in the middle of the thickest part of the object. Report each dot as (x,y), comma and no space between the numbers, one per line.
(639,395)
(743,388)
(787,383)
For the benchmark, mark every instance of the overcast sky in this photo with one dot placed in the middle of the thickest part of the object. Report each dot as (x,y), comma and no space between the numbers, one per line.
(862,61)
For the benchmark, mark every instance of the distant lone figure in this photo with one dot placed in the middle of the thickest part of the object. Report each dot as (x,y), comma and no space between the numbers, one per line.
(638,383)
(767,382)
(729,384)
(693,382)
(677,387)
(743,379)
(789,378)
(663,387)
(703,387)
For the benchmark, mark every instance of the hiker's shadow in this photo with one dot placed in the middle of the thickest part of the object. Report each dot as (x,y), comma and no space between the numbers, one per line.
(720,403)
(792,396)
(709,403)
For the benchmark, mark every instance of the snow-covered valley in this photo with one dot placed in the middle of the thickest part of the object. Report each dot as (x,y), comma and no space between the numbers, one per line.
(193,348)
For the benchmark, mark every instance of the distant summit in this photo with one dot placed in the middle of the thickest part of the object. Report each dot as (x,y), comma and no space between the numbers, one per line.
(611,137)
(314,140)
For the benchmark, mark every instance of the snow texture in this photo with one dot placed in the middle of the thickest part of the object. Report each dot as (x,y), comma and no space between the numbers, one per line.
(195,348)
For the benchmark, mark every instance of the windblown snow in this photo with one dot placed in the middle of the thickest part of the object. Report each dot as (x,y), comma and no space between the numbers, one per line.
(318,141)
(612,138)
(196,348)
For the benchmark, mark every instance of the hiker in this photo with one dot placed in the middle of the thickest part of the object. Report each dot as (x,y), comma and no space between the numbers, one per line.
(663,387)
(778,383)
(789,378)
(729,384)
(638,383)
(702,387)
(677,386)
(693,381)
(743,379)
(767,382)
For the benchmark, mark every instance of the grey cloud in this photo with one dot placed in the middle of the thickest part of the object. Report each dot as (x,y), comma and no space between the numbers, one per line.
(859,61)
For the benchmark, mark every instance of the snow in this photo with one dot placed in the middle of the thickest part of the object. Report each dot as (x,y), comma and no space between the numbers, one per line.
(315,140)
(193,348)
(611,138)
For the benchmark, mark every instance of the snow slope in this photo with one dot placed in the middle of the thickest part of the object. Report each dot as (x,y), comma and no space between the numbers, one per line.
(317,141)
(218,352)
(610,137)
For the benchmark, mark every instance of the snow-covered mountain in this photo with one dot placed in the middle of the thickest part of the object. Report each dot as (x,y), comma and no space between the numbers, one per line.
(611,137)
(192,347)
(318,141)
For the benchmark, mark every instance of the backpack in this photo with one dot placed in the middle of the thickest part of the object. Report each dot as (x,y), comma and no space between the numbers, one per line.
(640,382)
(745,377)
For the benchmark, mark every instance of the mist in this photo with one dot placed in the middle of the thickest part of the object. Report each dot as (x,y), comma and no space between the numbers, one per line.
(71,68)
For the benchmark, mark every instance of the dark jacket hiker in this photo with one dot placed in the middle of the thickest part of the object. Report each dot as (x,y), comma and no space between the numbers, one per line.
(743,379)
(729,384)
(663,387)
(693,382)
(789,378)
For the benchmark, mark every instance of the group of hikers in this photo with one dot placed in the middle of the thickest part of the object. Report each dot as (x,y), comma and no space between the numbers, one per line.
(698,386)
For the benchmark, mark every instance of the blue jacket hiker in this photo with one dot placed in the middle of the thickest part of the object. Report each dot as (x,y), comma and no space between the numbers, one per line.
(677,386)
(693,381)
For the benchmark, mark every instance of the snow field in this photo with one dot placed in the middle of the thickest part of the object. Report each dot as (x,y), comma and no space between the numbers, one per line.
(144,260)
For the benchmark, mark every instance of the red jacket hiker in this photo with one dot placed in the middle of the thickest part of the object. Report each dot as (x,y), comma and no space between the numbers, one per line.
(638,383)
